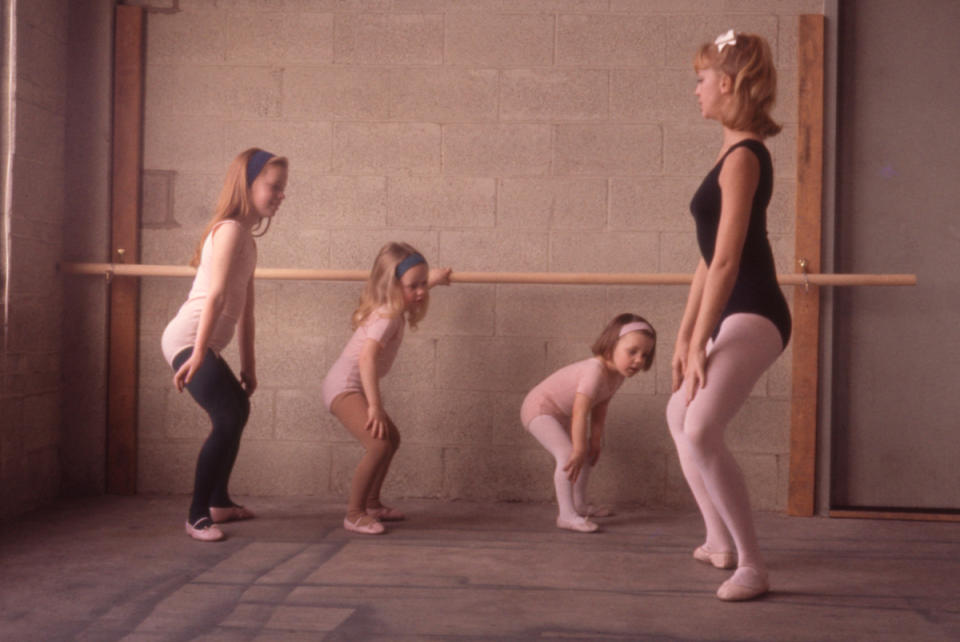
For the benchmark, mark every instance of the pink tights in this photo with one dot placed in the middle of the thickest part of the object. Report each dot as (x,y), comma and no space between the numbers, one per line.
(745,347)
(571,498)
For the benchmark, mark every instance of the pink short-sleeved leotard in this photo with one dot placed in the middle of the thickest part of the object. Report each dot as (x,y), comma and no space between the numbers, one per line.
(181,332)
(555,395)
(344,375)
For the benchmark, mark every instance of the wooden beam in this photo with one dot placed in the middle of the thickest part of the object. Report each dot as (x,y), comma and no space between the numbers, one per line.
(893,513)
(125,247)
(806,301)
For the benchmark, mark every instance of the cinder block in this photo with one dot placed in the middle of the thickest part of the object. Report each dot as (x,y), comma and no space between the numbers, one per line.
(197,38)
(444,95)
(485,474)
(493,250)
(563,352)
(659,204)
(462,309)
(307,145)
(294,358)
(356,249)
(689,149)
(442,417)
(607,150)
(416,471)
(784,250)
(496,150)
(441,202)
(327,202)
(551,95)
(684,34)
(289,247)
(624,476)
(538,203)
(780,376)
(603,251)
(785,110)
(493,364)
(551,310)
(194,197)
(656,6)
(283,468)
(499,40)
(652,94)
(295,38)
(788,28)
(508,431)
(190,90)
(781,213)
(661,306)
(610,40)
(336,93)
(679,252)
(301,416)
(783,148)
(167,467)
(414,366)
(187,143)
(394,39)
(637,422)
(391,148)
(762,425)
(762,475)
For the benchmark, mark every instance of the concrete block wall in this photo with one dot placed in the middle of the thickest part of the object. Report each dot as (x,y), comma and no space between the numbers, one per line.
(33,212)
(540,135)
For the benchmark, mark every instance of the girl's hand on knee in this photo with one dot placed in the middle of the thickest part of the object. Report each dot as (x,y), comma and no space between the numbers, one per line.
(248,381)
(575,464)
(696,373)
(678,366)
(184,375)
(376,422)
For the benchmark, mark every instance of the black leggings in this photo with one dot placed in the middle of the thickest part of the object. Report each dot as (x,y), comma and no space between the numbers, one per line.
(217,390)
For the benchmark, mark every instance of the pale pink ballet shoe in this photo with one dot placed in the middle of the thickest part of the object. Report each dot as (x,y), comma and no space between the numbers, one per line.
(364,524)
(747,583)
(386,514)
(204,530)
(219,515)
(579,524)
(722,559)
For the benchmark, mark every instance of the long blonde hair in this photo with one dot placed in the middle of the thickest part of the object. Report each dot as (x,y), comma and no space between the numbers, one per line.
(749,64)
(384,289)
(234,199)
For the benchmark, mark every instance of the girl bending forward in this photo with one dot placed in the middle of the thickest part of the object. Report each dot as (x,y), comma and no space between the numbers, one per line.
(558,410)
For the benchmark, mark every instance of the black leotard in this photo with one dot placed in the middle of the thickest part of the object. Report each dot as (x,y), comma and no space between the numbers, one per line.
(756,288)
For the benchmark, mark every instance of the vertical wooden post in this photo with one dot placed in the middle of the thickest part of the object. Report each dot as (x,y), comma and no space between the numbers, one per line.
(125,248)
(806,301)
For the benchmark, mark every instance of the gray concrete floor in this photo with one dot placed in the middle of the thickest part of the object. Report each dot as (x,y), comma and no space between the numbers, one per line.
(121,568)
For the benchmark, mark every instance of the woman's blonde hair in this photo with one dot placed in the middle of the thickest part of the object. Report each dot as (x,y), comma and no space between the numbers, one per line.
(234,199)
(749,64)
(607,341)
(384,289)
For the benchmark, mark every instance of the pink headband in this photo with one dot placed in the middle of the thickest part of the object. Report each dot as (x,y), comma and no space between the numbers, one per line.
(634,326)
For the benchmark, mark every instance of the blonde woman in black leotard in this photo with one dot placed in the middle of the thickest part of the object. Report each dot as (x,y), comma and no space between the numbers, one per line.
(736,321)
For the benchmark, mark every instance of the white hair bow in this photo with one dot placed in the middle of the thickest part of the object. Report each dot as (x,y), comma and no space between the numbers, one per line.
(725,39)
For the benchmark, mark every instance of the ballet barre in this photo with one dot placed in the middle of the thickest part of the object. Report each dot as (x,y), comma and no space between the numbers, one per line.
(110,270)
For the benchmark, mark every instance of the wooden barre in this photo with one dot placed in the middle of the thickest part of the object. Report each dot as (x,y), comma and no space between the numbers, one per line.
(556,278)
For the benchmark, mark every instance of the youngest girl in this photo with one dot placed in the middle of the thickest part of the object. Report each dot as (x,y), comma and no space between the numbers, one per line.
(555,411)
(396,293)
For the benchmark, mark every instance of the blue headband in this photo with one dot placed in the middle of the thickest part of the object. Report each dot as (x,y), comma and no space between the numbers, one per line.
(407,263)
(255,165)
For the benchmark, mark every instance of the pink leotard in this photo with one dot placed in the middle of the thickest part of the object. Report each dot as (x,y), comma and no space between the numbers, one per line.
(344,375)
(555,395)
(181,332)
